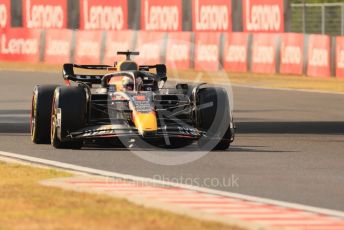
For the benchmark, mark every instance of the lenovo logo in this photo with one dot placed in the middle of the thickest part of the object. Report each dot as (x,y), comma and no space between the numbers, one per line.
(212,15)
(162,17)
(319,57)
(291,55)
(3,16)
(236,53)
(263,15)
(207,52)
(43,15)
(103,16)
(263,55)
(18,45)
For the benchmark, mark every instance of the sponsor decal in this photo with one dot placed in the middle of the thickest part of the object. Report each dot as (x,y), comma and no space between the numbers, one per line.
(264,53)
(291,61)
(88,47)
(235,52)
(117,42)
(319,55)
(263,15)
(20,45)
(103,15)
(150,45)
(207,51)
(57,46)
(42,14)
(161,15)
(212,15)
(5,13)
(178,50)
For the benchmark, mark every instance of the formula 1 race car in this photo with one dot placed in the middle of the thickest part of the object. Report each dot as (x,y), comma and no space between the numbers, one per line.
(128,102)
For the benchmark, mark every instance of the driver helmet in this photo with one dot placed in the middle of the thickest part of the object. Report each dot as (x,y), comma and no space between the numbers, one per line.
(128,84)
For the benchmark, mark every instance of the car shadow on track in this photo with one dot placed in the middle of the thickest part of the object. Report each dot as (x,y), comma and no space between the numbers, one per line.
(302,127)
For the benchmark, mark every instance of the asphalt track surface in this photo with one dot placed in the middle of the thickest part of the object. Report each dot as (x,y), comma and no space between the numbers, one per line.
(289,144)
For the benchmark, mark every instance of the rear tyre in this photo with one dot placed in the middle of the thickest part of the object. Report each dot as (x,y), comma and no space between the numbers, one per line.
(68,115)
(214,118)
(41,113)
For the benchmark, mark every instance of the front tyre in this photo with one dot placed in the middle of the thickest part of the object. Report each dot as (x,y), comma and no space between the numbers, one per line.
(214,117)
(68,115)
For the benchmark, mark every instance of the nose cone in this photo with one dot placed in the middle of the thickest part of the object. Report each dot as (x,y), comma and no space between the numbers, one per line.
(146,123)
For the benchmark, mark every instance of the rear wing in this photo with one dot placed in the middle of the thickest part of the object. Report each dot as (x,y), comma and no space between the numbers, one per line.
(69,75)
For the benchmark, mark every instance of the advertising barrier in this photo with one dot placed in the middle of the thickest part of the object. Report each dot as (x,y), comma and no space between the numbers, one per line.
(235,52)
(178,50)
(264,53)
(117,42)
(5,13)
(20,45)
(88,47)
(151,46)
(58,46)
(41,14)
(207,51)
(263,15)
(160,15)
(319,56)
(103,15)
(339,57)
(292,53)
(212,15)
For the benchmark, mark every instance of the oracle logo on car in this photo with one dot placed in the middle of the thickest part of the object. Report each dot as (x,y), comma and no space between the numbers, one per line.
(42,14)
(263,15)
(103,14)
(161,15)
(4,13)
(212,15)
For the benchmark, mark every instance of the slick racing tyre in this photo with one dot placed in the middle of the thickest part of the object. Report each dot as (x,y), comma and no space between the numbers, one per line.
(41,113)
(214,118)
(68,115)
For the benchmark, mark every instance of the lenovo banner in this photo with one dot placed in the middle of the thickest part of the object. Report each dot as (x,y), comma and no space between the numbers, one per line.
(5,13)
(207,51)
(263,15)
(161,15)
(212,15)
(42,14)
(319,55)
(178,50)
(103,14)
(20,45)
(291,61)
(264,53)
(88,46)
(151,47)
(117,41)
(57,46)
(235,52)
(340,57)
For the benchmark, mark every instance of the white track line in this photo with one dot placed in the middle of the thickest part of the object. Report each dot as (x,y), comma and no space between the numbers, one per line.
(166,183)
